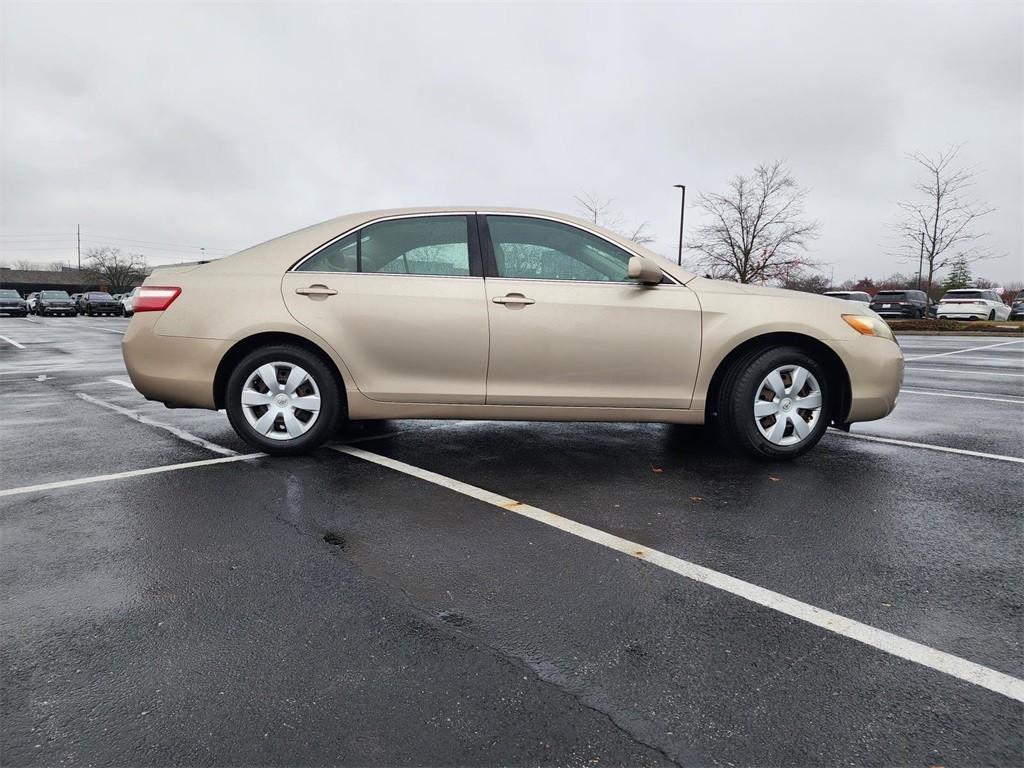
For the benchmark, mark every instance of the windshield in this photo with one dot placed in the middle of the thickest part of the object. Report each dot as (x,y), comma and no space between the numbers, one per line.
(54,295)
(964,295)
(101,296)
(7,293)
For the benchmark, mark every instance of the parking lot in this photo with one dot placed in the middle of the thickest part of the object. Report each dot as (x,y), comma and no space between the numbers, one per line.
(480,593)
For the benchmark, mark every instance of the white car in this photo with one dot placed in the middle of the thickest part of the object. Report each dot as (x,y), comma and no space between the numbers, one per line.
(126,301)
(972,304)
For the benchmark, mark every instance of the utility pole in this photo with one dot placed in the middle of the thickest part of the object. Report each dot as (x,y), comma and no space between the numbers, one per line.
(79,247)
(682,210)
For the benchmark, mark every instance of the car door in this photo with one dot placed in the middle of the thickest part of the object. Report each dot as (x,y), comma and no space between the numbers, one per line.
(402,302)
(568,328)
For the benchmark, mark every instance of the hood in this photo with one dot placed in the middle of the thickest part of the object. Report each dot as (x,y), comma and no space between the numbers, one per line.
(706,285)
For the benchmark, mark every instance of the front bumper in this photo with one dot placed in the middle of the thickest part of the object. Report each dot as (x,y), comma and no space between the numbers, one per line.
(875,369)
(62,310)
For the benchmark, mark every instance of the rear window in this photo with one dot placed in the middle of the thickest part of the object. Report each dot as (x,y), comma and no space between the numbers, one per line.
(101,296)
(964,295)
(839,294)
(890,295)
(54,295)
(7,293)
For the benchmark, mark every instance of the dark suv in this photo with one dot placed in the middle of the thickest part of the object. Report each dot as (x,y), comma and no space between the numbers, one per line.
(96,303)
(1017,308)
(907,303)
(11,303)
(54,303)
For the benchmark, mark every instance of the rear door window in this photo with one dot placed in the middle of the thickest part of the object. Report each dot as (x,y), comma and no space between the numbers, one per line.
(420,245)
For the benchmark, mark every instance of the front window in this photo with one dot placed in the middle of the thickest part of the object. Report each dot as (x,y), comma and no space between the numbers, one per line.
(7,293)
(422,245)
(54,295)
(100,297)
(538,249)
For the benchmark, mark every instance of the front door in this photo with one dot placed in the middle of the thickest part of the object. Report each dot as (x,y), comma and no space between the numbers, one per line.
(568,327)
(402,302)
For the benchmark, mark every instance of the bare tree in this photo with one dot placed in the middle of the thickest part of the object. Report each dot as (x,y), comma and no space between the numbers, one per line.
(757,231)
(940,225)
(600,211)
(24,264)
(118,271)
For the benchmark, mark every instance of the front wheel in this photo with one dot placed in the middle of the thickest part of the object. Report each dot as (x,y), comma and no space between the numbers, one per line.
(283,400)
(775,404)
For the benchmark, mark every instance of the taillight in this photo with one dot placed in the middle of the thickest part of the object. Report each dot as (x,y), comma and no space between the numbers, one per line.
(155,298)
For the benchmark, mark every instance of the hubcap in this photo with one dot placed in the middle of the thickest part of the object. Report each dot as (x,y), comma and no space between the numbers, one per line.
(787,405)
(280,401)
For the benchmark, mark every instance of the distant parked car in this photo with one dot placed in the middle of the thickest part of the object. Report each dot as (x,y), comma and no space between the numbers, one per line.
(900,304)
(55,303)
(1017,308)
(30,301)
(850,295)
(972,304)
(98,303)
(76,298)
(126,302)
(11,303)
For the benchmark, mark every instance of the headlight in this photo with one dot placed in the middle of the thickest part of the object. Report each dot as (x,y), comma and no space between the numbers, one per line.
(869,326)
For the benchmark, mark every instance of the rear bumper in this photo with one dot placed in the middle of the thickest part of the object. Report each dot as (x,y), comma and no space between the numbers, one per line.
(902,312)
(875,369)
(177,370)
(979,314)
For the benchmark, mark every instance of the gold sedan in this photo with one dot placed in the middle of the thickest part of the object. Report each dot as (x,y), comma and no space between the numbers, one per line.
(454,313)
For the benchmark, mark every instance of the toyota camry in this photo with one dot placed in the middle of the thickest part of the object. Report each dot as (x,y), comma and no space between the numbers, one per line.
(498,313)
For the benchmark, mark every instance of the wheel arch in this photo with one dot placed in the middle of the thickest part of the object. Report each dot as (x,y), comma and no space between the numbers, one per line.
(244,346)
(839,377)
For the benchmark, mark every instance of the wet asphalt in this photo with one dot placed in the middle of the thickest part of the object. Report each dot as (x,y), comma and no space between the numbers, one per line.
(326,610)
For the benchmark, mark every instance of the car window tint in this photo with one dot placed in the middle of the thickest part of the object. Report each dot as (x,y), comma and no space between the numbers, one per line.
(9,294)
(427,245)
(339,256)
(539,249)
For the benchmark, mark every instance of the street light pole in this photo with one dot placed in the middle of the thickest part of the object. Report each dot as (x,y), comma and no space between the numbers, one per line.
(682,211)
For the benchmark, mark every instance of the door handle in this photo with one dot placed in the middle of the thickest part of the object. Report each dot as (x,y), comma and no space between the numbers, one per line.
(316,290)
(516,299)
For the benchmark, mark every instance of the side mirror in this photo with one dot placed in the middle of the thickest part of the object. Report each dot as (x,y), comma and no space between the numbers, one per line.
(644,271)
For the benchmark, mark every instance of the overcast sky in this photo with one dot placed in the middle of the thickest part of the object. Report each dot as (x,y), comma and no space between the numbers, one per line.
(221,125)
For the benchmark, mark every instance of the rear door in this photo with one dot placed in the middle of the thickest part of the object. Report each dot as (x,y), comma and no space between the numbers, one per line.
(568,328)
(402,303)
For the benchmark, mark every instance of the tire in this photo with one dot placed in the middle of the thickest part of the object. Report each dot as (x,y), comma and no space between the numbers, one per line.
(748,379)
(992,315)
(318,379)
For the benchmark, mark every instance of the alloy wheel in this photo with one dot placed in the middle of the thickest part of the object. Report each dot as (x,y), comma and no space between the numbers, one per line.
(787,405)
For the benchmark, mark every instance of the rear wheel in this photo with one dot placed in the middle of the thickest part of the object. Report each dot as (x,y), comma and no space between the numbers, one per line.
(774,403)
(283,400)
(992,315)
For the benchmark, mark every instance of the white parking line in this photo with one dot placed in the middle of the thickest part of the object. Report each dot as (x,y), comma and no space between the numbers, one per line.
(965,396)
(108,330)
(179,433)
(123,475)
(923,368)
(928,446)
(12,342)
(961,351)
(965,670)
(122,383)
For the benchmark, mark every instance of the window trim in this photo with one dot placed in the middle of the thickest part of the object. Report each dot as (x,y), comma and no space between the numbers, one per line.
(472,239)
(491,263)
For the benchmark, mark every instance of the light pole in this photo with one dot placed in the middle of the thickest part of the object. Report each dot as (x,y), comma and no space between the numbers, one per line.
(682,211)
